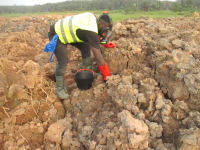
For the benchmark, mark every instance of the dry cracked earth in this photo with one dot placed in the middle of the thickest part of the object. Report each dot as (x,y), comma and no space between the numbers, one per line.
(151,101)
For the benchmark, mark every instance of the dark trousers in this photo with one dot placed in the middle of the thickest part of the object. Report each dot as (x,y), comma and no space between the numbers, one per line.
(62,57)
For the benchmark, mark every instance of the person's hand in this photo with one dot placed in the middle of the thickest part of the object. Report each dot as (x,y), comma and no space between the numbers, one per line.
(110,45)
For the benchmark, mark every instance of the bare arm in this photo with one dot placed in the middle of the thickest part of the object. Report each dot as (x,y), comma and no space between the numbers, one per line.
(98,56)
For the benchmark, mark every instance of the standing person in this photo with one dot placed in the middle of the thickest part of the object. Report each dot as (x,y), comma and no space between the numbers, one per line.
(83,31)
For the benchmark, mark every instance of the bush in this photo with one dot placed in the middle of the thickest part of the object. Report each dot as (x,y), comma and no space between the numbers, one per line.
(177,7)
(130,9)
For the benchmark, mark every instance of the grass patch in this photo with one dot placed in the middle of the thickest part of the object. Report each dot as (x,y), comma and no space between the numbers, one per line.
(152,14)
(117,15)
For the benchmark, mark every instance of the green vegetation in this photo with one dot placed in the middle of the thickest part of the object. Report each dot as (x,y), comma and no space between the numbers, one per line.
(129,6)
(119,16)
(118,9)
(116,15)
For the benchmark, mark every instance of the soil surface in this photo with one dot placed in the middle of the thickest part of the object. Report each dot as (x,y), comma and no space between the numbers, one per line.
(151,101)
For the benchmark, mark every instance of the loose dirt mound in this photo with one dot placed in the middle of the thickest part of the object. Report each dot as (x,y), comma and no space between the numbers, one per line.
(150,102)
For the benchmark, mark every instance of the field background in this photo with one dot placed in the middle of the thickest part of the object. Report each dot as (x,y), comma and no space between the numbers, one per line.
(117,15)
(118,9)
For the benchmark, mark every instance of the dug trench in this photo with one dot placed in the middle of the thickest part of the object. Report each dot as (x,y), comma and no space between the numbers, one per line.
(150,102)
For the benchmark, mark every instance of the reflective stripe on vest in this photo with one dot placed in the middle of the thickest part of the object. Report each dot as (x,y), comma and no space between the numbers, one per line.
(70,29)
(62,31)
(66,28)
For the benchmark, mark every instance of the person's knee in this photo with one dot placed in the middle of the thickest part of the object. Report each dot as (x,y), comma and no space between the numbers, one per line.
(60,69)
(85,54)
(62,64)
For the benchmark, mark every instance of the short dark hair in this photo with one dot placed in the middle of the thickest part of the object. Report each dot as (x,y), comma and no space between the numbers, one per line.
(105,18)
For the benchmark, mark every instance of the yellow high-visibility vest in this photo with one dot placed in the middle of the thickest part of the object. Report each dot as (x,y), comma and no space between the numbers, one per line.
(66,28)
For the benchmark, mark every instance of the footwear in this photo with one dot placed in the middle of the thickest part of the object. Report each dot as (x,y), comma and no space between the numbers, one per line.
(86,63)
(60,88)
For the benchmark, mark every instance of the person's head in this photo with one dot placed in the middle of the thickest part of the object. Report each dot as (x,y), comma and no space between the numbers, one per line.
(105,23)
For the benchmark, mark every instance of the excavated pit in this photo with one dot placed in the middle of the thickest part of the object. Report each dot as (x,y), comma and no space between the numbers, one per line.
(152,100)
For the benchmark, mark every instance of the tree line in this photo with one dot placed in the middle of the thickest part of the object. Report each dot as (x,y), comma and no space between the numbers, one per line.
(129,6)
